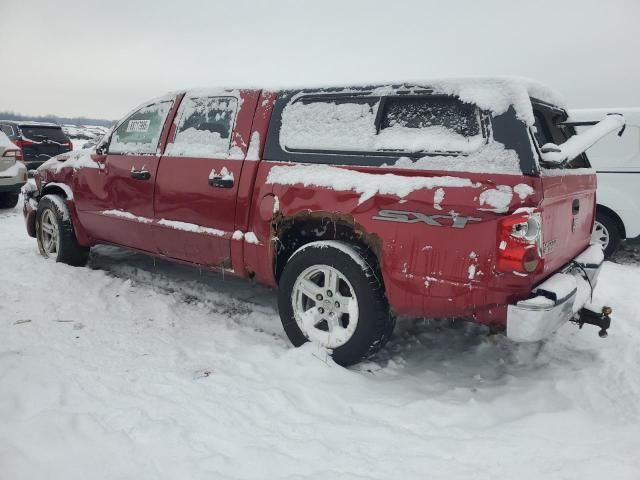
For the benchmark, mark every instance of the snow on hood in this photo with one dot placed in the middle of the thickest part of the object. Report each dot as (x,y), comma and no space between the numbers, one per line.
(75,159)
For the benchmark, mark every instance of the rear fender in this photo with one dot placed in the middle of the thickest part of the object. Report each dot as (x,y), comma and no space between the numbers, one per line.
(436,245)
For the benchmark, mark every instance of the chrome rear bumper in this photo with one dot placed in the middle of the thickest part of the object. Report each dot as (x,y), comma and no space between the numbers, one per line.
(556,300)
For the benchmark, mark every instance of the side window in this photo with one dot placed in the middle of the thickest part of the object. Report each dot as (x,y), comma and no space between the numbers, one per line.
(140,133)
(204,127)
(410,124)
(317,124)
(547,130)
(429,124)
(540,129)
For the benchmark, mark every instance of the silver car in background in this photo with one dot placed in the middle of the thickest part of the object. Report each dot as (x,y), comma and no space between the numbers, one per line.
(13,172)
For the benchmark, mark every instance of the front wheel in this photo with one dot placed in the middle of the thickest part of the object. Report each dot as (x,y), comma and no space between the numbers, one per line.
(55,235)
(330,293)
(606,233)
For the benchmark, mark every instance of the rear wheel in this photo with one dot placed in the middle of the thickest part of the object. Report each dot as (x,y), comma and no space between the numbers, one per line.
(330,293)
(606,232)
(8,200)
(55,235)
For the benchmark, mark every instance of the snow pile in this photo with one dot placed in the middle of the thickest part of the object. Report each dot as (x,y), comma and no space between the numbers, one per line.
(76,159)
(523,190)
(426,139)
(134,368)
(497,94)
(82,133)
(490,158)
(199,143)
(365,184)
(190,227)
(224,174)
(127,215)
(351,127)
(253,152)
(328,126)
(250,237)
(438,197)
(498,198)
(205,126)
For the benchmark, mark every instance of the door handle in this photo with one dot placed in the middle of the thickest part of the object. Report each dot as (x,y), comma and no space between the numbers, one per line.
(140,174)
(220,181)
(575,207)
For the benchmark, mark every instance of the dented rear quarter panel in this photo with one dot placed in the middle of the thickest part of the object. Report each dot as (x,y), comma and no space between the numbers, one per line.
(428,270)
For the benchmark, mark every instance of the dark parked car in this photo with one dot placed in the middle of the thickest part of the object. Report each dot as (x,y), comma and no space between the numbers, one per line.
(38,141)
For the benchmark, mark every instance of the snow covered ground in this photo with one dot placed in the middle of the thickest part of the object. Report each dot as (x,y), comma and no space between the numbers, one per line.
(139,369)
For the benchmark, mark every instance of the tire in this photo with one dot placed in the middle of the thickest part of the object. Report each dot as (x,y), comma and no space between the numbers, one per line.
(55,235)
(8,200)
(310,272)
(606,232)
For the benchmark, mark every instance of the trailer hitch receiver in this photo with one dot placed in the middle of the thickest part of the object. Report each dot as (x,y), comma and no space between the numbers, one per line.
(591,315)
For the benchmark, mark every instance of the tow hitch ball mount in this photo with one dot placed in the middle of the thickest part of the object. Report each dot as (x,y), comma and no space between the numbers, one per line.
(590,316)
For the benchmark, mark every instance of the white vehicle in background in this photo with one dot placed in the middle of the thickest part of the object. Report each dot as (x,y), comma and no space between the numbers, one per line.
(617,161)
(13,173)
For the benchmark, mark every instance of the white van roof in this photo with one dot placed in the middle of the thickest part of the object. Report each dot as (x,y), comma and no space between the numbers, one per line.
(631,115)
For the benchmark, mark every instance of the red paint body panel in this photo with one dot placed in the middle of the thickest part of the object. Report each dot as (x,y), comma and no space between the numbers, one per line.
(569,232)
(425,268)
(428,270)
(183,194)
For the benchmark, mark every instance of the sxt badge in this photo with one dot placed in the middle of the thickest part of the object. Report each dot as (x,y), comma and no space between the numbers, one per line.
(454,221)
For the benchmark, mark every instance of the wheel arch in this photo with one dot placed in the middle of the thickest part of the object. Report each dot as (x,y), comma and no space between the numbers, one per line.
(63,191)
(293,232)
(57,189)
(611,213)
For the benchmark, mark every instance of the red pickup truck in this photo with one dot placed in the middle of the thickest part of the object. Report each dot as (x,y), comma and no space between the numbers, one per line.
(454,198)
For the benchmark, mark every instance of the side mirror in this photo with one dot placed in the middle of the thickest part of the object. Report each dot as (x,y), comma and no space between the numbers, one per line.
(101,149)
(552,153)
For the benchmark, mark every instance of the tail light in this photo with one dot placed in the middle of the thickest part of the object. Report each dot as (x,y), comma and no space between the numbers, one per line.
(21,143)
(520,243)
(15,154)
(70,145)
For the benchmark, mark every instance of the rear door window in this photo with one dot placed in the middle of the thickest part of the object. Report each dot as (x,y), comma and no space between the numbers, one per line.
(205,127)
(345,124)
(429,124)
(140,133)
(407,124)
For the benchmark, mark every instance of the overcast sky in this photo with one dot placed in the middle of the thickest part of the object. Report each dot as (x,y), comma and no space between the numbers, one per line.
(101,58)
